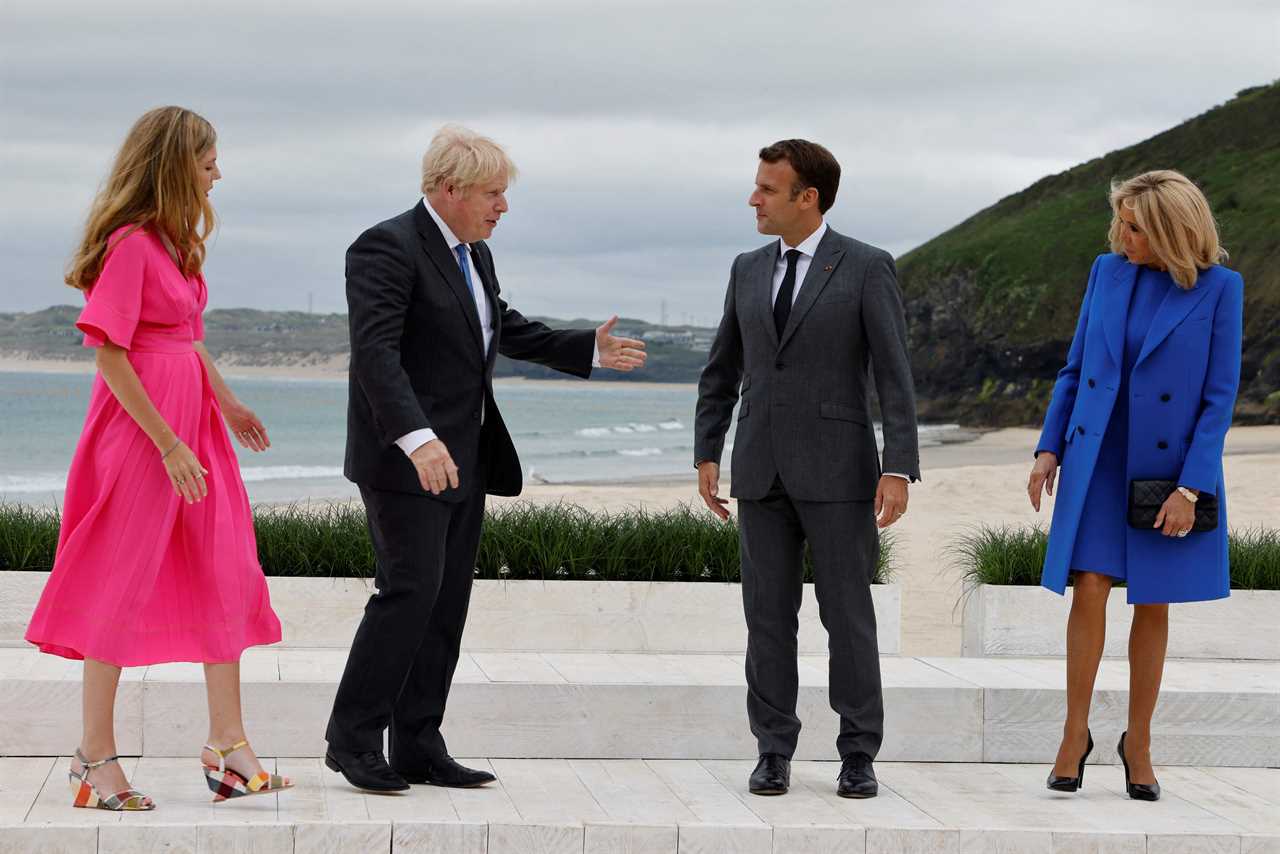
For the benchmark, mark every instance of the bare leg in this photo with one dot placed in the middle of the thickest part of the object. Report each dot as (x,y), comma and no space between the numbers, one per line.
(1148,640)
(1086,634)
(226,723)
(99,738)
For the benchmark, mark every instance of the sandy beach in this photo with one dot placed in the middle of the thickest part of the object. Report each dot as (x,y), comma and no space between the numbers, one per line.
(983,481)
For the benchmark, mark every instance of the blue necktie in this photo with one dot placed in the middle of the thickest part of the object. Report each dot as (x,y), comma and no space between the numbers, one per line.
(461,251)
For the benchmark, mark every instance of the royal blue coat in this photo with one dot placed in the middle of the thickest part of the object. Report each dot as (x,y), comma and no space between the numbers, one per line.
(1181,396)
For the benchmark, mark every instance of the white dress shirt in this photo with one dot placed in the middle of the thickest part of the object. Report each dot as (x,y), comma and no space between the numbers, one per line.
(415,439)
(807,248)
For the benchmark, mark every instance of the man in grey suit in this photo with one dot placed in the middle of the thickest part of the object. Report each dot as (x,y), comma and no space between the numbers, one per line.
(803,317)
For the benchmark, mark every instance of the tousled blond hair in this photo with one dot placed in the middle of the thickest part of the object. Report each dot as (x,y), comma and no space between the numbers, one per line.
(463,158)
(153,184)
(1175,216)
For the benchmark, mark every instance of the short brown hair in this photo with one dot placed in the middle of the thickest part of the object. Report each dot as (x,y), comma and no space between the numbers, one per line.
(815,167)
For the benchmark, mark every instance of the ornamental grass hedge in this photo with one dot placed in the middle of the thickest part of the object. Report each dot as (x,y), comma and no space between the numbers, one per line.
(519,541)
(1014,554)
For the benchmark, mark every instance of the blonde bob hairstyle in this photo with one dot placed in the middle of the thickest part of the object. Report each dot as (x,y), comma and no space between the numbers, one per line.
(1176,219)
(463,158)
(153,184)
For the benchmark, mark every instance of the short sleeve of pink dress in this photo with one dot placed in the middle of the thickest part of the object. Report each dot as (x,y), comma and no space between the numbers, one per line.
(114,303)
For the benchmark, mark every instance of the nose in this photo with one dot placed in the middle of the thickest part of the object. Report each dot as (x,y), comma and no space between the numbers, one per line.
(502,204)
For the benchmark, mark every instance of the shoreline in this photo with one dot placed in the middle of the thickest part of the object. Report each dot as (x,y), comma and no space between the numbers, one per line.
(11,364)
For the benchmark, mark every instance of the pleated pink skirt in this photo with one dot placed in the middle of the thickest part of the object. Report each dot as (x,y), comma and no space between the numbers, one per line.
(141,577)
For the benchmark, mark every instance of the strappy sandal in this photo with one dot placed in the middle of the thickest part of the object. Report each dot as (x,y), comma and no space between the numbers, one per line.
(226,784)
(85,794)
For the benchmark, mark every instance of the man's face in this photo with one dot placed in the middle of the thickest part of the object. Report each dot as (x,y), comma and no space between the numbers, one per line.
(776,210)
(477,209)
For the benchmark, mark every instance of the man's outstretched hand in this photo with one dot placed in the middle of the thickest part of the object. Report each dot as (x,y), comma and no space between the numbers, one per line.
(620,354)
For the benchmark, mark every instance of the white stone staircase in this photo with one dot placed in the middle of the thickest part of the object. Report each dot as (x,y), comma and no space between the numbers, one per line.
(614,717)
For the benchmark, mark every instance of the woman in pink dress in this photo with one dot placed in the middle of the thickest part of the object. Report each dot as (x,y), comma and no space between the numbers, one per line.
(156,558)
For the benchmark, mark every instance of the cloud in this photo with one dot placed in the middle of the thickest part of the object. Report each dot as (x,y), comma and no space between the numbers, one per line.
(636,124)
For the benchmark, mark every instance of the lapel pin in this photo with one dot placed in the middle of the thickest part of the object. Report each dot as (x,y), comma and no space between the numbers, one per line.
(827,269)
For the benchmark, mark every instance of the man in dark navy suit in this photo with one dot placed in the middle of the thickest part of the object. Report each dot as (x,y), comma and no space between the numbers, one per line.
(425,443)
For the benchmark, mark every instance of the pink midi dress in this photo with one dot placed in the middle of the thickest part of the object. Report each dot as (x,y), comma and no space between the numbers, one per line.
(141,577)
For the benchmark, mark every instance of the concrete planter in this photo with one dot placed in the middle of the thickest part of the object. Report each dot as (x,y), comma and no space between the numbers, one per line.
(585,616)
(1032,621)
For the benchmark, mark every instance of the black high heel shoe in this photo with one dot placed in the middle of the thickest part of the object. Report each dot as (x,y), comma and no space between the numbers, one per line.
(1137,791)
(1071,784)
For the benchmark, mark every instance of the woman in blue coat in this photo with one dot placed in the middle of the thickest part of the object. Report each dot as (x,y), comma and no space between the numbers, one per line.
(1147,393)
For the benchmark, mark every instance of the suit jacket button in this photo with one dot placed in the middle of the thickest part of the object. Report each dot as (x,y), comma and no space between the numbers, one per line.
(1164,398)
(778,366)
(1091,383)
(1080,429)
(1162,444)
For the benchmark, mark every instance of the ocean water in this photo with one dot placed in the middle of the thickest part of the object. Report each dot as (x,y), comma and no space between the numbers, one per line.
(564,432)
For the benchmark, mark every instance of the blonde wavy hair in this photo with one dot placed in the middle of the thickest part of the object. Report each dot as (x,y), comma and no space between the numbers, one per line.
(1176,218)
(153,184)
(464,158)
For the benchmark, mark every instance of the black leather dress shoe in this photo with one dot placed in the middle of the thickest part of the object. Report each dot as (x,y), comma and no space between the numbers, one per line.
(857,777)
(368,770)
(446,772)
(772,775)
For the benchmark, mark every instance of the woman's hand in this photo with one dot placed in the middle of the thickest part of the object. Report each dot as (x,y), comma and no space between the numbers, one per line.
(186,474)
(246,426)
(1176,516)
(1043,474)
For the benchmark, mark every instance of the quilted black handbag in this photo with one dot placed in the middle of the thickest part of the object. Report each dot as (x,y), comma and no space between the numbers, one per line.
(1146,497)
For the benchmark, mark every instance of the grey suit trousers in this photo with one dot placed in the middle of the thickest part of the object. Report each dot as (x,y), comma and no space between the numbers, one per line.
(845,545)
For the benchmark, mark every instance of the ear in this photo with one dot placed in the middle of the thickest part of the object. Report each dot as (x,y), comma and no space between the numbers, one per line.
(809,198)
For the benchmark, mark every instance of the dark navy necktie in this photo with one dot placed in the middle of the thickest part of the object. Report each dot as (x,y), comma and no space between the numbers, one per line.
(782,305)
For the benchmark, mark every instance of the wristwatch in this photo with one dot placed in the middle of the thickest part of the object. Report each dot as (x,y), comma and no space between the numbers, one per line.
(1188,494)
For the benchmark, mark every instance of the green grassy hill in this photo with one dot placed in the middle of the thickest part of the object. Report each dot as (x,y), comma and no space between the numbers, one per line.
(992,303)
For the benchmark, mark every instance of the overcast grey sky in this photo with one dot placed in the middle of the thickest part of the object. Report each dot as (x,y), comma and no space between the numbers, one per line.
(635,124)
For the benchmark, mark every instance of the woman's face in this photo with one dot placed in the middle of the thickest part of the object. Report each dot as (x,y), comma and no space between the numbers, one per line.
(1136,248)
(207,169)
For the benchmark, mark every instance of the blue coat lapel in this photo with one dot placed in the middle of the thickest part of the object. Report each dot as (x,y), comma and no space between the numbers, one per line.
(1177,304)
(1116,316)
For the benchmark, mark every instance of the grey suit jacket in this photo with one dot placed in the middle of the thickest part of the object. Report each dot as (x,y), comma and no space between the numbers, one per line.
(805,413)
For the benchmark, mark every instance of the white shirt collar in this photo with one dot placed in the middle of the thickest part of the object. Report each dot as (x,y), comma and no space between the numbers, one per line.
(449,237)
(808,246)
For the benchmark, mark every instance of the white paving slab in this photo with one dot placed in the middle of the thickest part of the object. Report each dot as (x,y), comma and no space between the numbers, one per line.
(669,806)
(621,838)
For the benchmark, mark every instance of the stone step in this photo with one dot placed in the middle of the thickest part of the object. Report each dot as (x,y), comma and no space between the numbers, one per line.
(626,706)
(557,806)
(561,616)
